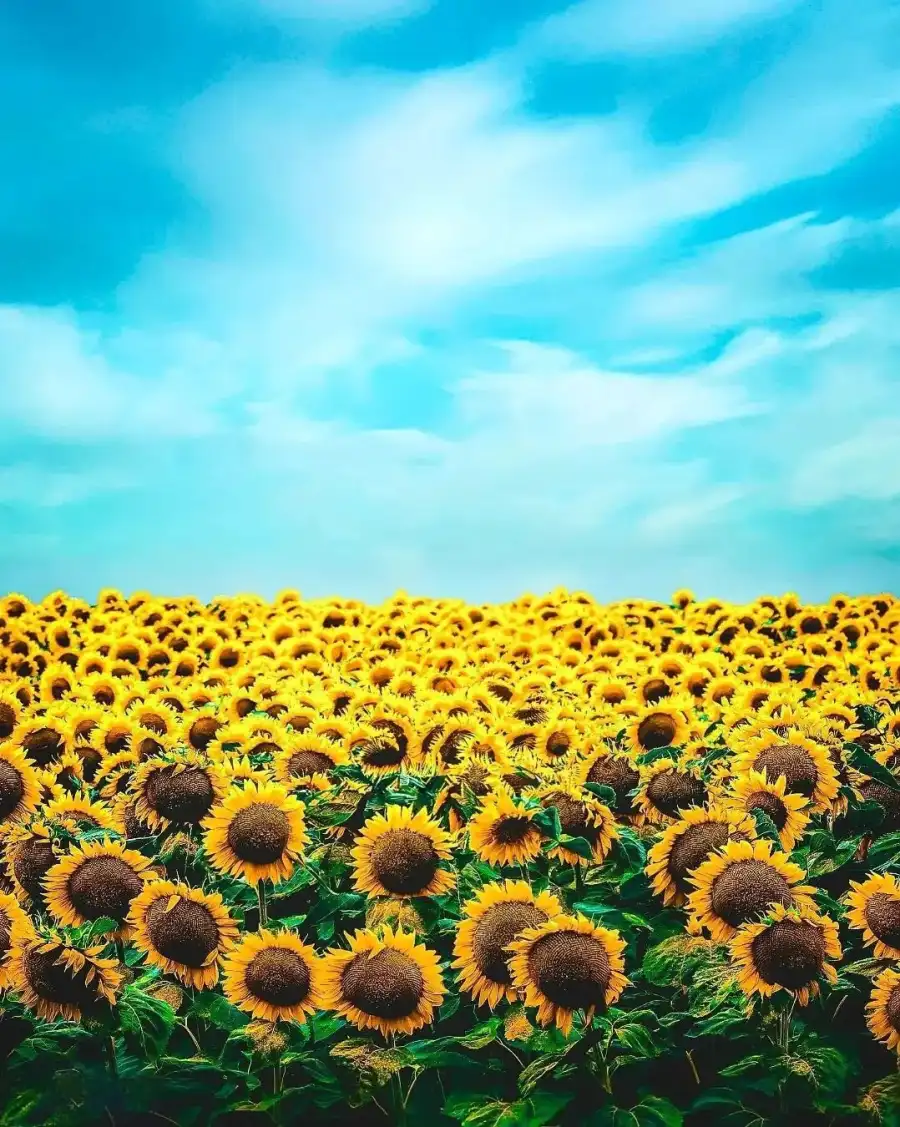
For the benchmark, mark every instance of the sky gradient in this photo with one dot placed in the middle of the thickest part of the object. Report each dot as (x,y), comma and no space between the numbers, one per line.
(462,298)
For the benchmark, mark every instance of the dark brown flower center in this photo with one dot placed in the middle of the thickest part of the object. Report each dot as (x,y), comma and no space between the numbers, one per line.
(187,934)
(495,930)
(882,914)
(278,976)
(184,797)
(655,691)
(789,953)
(43,746)
(52,981)
(571,969)
(558,743)
(656,730)
(32,861)
(671,791)
(382,753)
(153,722)
(617,773)
(5,933)
(203,731)
(574,817)
(746,889)
(134,827)
(691,849)
(769,804)
(259,833)
(7,720)
(893,1009)
(115,742)
(510,830)
(103,886)
(302,764)
(791,761)
(388,985)
(404,861)
(12,789)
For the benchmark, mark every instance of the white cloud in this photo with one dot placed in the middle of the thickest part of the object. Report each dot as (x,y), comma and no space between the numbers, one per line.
(56,379)
(40,487)
(551,395)
(866,465)
(686,516)
(608,27)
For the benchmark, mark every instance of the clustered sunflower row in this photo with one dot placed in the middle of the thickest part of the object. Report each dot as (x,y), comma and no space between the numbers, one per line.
(331,817)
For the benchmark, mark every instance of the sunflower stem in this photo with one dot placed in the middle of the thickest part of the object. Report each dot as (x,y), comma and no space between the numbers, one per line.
(263,907)
(111,1058)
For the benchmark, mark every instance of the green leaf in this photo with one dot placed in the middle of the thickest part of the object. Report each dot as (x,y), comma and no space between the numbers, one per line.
(745,1065)
(218,1011)
(580,846)
(101,927)
(543,1107)
(146,1021)
(606,794)
(765,827)
(884,850)
(655,1111)
(638,1039)
(530,1076)
(867,765)
(483,1111)
(482,1034)
(632,849)
(547,821)
(868,716)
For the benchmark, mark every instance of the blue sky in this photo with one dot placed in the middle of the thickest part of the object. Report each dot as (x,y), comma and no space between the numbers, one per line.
(462,298)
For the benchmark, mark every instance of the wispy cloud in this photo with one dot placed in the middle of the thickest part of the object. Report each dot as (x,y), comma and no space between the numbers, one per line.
(608,27)
(629,343)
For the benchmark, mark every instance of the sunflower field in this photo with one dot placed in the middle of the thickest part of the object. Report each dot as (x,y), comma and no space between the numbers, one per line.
(542,863)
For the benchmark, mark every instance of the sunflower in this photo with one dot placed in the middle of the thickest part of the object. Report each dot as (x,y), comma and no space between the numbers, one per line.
(256,833)
(177,790)
(883,1010)
(307,756)
(399,854)
(581,815)
(200,731)
(787,950)
(741,883)
(42,740)
(668,787)
(54,979)
(616,771)
(788,811)
(491,921)
(182,930)
(15,927)
(386,982)
(503,831)
(95,880)
(273,976)
(875,910)
(687,843)
(65,773)
(29,853)
(20,790)
(803,762)
(114,774)
(568,964)
(74,811)
(10,713)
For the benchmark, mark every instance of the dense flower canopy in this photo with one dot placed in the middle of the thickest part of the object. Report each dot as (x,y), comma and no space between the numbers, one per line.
(325,820)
